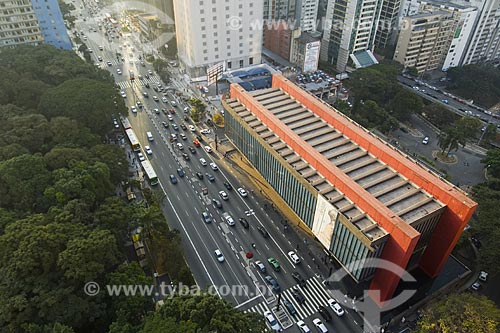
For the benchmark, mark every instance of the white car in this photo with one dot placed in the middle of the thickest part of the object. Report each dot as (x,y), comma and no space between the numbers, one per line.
(174,103)
(476,285)
(223,195)
(336,307)
(155,98)
(219,255)
(208,149)
(191,128)
(118,71)
(150,72)
(180,146)
(187,109)
(272,322)
(123,94)
(133,109)
(483,276)
(214,166)
(320,326)
(242,192)
(294,257)
(141,157)
(205,131)
(115,123)
(303,327)
(164,99)
(425,140)
(169,116)
(148,150)
(203,162)
(157,111)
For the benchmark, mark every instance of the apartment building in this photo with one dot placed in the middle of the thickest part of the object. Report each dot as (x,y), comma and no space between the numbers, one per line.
(213,31)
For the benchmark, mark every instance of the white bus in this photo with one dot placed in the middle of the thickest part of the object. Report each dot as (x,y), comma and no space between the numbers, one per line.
(126,123)
(136,146)
(150,173)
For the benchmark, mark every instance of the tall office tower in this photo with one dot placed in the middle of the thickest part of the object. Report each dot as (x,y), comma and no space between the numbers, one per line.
(213,31)
(297,13)
(32,22)
(425,41)
(388,23)
(485,42)
(348,40)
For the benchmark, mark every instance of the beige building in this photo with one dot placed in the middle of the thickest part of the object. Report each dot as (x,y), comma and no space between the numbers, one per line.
(424,40)
(19,24)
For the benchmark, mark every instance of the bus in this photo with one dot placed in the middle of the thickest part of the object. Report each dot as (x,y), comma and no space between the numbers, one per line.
(136,146)
(150,173)
(126,123)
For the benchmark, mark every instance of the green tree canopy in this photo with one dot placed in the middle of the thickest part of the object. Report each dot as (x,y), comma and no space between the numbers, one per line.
(492,161)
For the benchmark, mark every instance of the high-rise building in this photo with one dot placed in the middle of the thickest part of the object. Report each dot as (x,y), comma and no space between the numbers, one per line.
(213,31)
(349,36)
(388,23)
(424,41)
(32,22)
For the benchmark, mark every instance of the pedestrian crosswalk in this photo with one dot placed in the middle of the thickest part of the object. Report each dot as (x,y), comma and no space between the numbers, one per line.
(138,83)
(314,292)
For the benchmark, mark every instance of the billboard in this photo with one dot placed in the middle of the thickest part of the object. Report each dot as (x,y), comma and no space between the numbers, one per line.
(214,73)
(325,217)
(311,56)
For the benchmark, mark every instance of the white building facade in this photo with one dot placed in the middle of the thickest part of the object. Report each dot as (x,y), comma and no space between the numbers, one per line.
(213,31)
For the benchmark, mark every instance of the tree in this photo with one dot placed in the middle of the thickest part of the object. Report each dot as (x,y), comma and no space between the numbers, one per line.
(469,126)
(439,115)
(219,119)
(404,104)
(492,161)
(459,313)
(450,139)
(197,110)
(204,313)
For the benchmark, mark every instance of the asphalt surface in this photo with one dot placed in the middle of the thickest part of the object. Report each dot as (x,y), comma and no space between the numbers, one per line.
(236,279)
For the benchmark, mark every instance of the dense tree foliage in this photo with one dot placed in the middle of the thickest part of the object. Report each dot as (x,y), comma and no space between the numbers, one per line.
(439,115)
(203,313)
(480,83)
(460,313)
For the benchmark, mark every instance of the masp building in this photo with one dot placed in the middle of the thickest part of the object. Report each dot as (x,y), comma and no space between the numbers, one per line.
(359,196)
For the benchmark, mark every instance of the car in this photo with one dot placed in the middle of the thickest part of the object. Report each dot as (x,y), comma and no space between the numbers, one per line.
(244,222)
(214,166)
(175,127)
(289,306)
(157,111)
(476,285)
(173,137)
(180,146)
(196,143)
(263,231)
(319,325)
(183,126)
(242,192)
(229,219)
(173,103)
(294,257)
(139,104)
(171,110)
(223,195)
(141,157)
(169,117)
(199,175)
(298,296)
(148,150)
(109,63)
(185,156)
(118,71)
(203,162)
(99,58)
(164,99)
(272,282)
(210,177)
(155,98)
(260,266)
(335,306)
(206,217)
(303,327)
(183,136)
(191,128)
(324,313)
(299,279)
(101,47)
(274,264)
(164,111)
(150,72)
(445,101)
(483,276)
(187,109)
(228,186)
(145,94)
(205,131)
(208,149)
(181,172)
(219,255)
(173,179)
(425,140)
(147,85)
(123,93)
(192,150)
(272,322)
(133,109)
(217,203)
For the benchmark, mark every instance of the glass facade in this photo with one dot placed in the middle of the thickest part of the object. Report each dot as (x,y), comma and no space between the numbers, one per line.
(291,190)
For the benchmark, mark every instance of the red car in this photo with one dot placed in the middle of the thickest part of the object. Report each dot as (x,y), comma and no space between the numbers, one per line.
(172,110)
(196,143)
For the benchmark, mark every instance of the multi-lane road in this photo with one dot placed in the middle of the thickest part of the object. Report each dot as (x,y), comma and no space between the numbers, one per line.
(237,279)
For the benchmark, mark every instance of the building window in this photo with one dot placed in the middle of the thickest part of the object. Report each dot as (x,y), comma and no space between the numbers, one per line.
(202,28)
(203,36)
(216,56)
(214,10)
(250,4)
(215,34)
(227,8)
(229,62)
(205,59)
(250,61)
(204,43)
(214,18)
(215,26)
(241,63)
(201,3)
